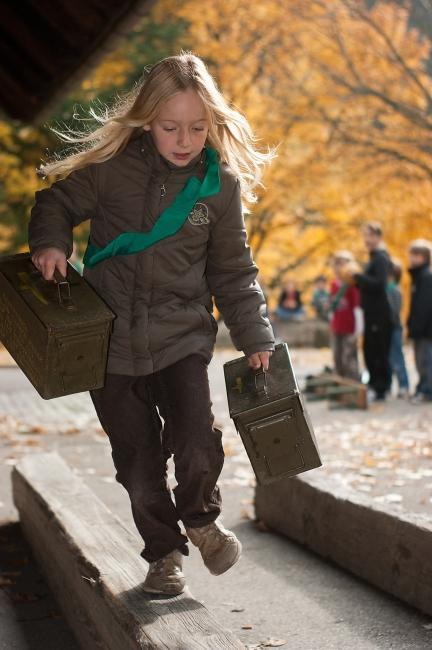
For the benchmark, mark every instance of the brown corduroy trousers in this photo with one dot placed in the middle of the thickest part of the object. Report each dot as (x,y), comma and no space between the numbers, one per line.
(130,409)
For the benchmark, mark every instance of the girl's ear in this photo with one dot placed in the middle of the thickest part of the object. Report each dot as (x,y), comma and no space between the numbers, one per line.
(146,127)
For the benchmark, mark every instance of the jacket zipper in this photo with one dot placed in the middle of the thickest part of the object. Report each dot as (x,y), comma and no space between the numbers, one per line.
(162,195)
(163,190)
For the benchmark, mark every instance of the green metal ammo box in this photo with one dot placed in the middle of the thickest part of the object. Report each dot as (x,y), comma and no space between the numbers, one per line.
(270,415)
(57,332)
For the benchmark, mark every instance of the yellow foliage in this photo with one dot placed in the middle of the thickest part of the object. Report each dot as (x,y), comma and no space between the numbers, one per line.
(345,94)
(6,135)
(112,71)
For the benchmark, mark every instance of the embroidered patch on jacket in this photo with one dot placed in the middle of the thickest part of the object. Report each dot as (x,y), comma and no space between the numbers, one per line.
(198,216)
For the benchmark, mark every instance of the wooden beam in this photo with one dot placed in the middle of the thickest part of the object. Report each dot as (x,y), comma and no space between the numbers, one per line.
(28,39)
(88,557)
(346,392)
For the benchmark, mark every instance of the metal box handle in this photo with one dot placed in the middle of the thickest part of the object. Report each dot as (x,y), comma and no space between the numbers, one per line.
(261,386)
(63,290)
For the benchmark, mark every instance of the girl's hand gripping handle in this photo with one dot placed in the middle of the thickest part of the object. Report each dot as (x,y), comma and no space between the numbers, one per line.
(259,359)
(46,260)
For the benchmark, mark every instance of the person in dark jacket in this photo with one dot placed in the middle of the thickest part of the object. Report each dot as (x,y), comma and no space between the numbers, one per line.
(420,316)
(163,184)
(376,308)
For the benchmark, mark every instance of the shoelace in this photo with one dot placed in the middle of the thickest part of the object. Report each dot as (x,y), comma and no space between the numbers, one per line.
(212,533)
(159,566)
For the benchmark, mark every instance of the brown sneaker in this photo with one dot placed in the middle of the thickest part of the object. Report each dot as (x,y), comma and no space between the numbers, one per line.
(219,547)
(165,575)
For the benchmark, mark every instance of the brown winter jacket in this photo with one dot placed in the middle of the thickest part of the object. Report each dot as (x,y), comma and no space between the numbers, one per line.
(162,296)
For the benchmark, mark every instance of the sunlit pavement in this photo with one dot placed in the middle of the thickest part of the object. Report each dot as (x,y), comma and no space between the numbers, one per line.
(278,591)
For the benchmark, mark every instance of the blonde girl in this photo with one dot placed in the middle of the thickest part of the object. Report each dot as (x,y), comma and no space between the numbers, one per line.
(162,181)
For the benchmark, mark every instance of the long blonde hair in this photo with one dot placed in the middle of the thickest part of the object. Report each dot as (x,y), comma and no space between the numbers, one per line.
(229,131)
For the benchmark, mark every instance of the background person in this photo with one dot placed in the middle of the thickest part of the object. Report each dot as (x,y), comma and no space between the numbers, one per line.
(420,316)
(290,306)
(346,323)
(321,299)
(397,358)
(374,301)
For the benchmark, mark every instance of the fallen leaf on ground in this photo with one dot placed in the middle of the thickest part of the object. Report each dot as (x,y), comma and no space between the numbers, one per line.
(37,429)
(245,513)
(389,498)
(246,627)
(273,643)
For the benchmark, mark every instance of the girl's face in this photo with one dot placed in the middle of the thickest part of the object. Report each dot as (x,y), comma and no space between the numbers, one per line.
(338,266)
(180,129)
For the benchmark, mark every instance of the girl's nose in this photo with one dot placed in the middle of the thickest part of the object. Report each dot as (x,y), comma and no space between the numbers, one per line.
(184,137)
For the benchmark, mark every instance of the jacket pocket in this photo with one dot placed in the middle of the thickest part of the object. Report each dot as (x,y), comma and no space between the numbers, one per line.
(207,319)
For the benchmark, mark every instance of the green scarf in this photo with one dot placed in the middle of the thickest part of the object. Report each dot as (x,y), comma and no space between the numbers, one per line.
(169,221)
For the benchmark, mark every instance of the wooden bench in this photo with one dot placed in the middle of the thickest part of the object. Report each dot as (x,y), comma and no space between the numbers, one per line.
(88,557)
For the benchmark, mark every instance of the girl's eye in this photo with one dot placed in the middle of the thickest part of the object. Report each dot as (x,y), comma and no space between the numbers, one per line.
(170,129)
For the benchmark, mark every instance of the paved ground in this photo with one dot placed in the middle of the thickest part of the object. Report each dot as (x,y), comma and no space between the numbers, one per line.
(278,591)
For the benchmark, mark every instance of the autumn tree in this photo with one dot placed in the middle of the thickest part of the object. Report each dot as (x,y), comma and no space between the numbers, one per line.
(341,88)
(345,93)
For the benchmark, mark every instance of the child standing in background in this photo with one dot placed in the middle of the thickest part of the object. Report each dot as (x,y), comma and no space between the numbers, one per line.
(397,359)
(162,181)
(420,316)
(346,323)
(321,299)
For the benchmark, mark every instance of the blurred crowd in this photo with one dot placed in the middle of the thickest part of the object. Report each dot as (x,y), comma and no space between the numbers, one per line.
(366,304)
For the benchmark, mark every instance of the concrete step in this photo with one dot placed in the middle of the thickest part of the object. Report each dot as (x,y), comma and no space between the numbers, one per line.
(388,549)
